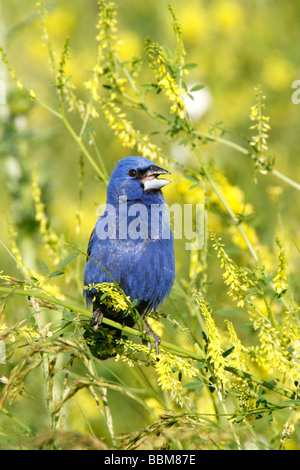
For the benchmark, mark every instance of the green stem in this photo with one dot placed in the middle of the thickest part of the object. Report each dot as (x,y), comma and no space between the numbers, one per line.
(128,76)
(82,311)
(78,140)
(247,152)
(171,347)
(264,383)
(22,426)
(51,110)
(225,203)
(16,261)
(84,124)
(229,143)
(285,179)
(99,156)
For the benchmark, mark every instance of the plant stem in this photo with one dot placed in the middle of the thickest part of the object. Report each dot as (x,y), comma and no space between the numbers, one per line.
(247,152)
(286,179)
(172,347)
(78,140)
(82,311)
(224,202)
(264,383)
(22,426)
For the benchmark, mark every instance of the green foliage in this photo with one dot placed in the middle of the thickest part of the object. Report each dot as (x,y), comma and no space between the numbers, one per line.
(210,386)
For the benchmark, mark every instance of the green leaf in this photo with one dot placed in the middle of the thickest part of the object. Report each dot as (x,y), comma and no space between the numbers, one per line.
(44,268)
(227,352)
(184,86)
(67,335)
(197,88)
(194,186)
(191,178)
(148,86)
(184,142)
(56,273)
(167,52)
(67,318)
(68,315)
(63,264)
(239,419)
(190,66)
(196,386)
(66,261)
(225,312)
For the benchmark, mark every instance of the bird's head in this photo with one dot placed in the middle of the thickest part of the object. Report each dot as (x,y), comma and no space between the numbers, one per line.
(135,178)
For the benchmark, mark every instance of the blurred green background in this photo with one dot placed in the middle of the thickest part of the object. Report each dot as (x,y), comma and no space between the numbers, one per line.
(237,44)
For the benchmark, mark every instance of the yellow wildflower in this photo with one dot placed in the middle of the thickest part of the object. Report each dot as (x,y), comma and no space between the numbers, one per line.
(237,357)
(158,63)
(49,236)
(168,368)
(114,298)
(236,278)
(280,280)
(262,126)
(125,132)
(214,349)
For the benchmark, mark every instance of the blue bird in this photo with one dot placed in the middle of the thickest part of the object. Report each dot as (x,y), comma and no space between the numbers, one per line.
(133,242)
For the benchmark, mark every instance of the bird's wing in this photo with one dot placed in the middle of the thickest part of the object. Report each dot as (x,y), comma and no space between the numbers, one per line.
(144,269)
(91,243)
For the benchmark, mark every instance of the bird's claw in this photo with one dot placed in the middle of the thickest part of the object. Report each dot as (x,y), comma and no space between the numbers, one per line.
(96,319)
(155,336)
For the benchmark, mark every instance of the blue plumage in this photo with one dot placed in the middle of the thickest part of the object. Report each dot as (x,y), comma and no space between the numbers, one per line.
(132,239)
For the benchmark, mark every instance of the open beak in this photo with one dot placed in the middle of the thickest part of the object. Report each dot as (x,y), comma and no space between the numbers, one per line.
(150,180)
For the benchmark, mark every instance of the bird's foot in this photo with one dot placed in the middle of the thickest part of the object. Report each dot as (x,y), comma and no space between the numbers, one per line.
(96,319)
(155,336)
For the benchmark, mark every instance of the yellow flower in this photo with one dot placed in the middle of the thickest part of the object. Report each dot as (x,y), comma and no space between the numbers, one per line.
(261,125)
(236,278)
(32,94)
(280,280)
(158,62)
(114,298)
(214,349)
(168,368)
(237,357)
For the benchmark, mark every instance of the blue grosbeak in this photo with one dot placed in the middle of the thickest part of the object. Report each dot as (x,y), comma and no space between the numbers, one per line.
(133,242)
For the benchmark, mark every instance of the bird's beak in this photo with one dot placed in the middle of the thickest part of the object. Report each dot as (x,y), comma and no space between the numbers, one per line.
(150,180)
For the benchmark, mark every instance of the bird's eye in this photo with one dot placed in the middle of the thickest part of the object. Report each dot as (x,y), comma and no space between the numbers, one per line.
(132,172)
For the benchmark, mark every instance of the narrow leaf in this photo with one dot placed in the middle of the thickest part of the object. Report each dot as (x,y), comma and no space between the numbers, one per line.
(190,66)
(44,268)
(56,273)
(191,178)
(66,261)
(197,88)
